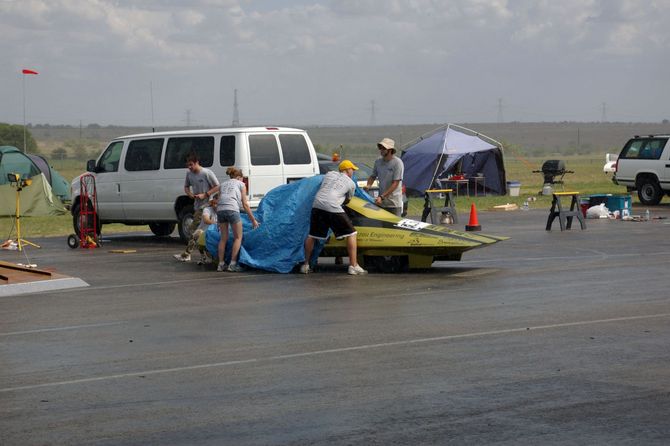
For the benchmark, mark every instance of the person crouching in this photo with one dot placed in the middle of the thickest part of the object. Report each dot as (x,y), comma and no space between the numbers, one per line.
(327,213)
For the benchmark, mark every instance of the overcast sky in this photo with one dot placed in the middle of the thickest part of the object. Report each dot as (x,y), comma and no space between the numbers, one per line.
(304,62)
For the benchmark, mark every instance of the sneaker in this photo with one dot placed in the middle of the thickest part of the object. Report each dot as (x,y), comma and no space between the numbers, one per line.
(222,267)
(182,257)
(305,269)
(235,268)
(356,270)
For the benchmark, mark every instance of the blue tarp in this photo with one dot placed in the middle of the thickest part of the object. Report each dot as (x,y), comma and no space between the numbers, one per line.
(277,245)
(437,155)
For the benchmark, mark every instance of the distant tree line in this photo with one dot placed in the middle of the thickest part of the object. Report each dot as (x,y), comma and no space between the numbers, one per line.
(12,135)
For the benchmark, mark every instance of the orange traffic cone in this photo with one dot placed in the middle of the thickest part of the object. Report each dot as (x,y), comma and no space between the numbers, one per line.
(473,224)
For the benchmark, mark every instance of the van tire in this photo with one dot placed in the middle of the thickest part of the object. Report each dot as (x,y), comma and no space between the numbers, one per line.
(162,229)
(649,191)
(76,210)
(184,220)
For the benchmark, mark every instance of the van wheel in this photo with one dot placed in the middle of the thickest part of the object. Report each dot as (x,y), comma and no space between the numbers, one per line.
(76,219)
(649,191)
(184,221)
(162,229)
(387,264)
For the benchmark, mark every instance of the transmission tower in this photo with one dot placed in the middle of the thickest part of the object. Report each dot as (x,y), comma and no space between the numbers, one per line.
(236,112)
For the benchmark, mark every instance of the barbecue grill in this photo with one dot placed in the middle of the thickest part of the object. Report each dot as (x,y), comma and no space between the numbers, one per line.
(553,171)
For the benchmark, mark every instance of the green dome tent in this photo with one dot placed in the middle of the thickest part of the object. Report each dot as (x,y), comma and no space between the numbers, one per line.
(39,198)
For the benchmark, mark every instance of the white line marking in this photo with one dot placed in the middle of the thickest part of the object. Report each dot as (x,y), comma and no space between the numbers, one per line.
(333,350)
(71,327)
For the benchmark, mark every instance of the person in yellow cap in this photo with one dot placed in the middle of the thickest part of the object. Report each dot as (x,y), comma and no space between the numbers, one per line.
(327,213)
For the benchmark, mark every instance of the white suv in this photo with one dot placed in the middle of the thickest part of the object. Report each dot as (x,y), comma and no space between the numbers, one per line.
(644,165)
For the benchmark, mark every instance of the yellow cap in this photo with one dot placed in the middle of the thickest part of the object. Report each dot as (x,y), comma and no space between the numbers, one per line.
(346,164)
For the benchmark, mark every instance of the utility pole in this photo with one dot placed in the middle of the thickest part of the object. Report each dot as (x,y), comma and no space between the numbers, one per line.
(188,117)
(236,113)
(151,100)
(373,118)
(500,111)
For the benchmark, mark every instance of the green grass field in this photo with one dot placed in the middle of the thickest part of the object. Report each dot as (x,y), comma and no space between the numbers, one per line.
(587,179)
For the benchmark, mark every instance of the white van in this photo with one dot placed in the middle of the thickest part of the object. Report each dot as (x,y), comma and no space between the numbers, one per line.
(139,179)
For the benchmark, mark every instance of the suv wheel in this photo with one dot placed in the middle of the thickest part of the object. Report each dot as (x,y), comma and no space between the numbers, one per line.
(184,222)
(162,229)
(649,191)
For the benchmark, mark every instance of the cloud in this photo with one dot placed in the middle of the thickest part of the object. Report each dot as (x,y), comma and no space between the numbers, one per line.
(287,57)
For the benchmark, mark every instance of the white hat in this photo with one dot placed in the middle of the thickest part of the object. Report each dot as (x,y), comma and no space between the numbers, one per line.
(387,143)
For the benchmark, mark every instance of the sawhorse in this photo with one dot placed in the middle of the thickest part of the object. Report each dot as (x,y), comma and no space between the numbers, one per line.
(565,216)
(429,207)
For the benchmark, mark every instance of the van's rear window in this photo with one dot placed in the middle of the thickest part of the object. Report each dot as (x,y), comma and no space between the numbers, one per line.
(178,149)
(644,148)
(295,150)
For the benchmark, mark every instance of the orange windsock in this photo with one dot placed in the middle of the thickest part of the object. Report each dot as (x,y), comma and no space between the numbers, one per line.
(473,224)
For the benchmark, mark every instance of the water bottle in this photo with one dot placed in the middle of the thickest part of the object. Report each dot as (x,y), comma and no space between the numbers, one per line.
(647,215)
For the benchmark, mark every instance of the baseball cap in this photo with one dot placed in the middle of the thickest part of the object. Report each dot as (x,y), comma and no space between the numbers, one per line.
(346,164)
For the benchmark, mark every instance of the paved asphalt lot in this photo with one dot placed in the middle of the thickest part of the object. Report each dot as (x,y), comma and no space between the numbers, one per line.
(548,338)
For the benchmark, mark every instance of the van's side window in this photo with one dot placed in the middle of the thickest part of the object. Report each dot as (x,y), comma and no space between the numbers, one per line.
(179,148)
(295,150)
(109,161)
(144,154)
(227,150)
(263,150)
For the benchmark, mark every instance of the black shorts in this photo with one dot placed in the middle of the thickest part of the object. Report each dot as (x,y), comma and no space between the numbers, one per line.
(320,221)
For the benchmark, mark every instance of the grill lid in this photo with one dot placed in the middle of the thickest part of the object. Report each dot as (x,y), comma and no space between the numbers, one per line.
(553,166)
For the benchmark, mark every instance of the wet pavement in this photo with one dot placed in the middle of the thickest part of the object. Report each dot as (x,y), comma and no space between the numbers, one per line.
(547,338)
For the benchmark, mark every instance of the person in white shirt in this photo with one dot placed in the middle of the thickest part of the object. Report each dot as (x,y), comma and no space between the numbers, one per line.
(232,198)
(208,218)
(327,213)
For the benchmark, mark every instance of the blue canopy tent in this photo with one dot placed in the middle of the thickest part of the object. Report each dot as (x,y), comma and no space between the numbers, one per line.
(453,149)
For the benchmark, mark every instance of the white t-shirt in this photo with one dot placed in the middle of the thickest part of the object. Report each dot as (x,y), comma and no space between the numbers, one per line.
(209,212)
(333,191)
(230,195)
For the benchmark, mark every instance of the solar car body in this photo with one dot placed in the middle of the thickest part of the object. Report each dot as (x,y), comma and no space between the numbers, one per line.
(390,243)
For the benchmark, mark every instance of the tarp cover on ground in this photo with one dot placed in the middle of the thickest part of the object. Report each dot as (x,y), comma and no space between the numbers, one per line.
(277,244)
(453,149)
